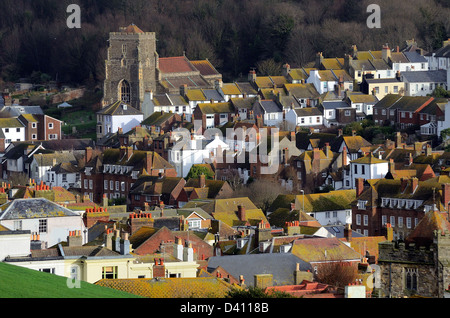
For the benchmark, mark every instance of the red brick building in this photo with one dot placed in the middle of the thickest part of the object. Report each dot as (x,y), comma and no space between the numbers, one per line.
(114,171)
(402,203)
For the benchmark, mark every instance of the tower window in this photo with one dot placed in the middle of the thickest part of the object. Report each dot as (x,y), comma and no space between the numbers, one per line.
(125,91)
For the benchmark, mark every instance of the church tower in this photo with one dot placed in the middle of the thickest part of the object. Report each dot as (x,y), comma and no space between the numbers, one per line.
(130,68)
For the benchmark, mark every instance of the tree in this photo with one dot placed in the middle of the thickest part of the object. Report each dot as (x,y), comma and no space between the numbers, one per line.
(196,171)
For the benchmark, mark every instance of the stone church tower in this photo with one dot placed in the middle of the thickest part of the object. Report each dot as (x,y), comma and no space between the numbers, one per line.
(130,68)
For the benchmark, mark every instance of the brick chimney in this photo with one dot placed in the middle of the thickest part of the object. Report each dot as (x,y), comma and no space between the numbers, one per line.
(327,149)
(391,166)
(344,156)
(359,186)
(445,194)
(148,162)
(202,182)
(414,184)
(241,213)
(87,154)
(348,232)
(159,269)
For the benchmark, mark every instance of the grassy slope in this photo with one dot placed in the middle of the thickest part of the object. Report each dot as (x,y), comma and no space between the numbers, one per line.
(20,282)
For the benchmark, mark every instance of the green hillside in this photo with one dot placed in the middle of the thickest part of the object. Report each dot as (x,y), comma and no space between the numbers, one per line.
(19,282)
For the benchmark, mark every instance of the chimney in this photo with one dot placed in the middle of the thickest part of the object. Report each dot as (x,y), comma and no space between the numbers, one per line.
(74,238)
(414,184)
(428,150)
(125,245)
(183,90)
(386,53)
(87,154)
(202,182)
(252,76)
(241,213)
(445,194)
(178,249)
(286,69)
(344,156)
(159,269)
(149,162)
(116,241)
(188,253)
(105,201)
(293,136)
(403,184)
(286,155)
(398,140)
(348,232)
(391,166)
(359,186)
(389,232)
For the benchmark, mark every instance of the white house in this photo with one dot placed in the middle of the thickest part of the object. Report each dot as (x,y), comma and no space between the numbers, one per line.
(40,216)
(115,116)
(197,150)
(440,59)
(304,117)
(444,124)
(367,167)
(63,174)
(329,208)
(14,243)
(270,111)
(167,103)
(43,162)
(323,80)
(11,129)
(362,102)
(422,83)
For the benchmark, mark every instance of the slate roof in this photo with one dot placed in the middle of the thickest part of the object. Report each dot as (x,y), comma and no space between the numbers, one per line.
(119,108)
(270,106)
(415,57)
(249,265)
(442,52)
(47,159)
(33,208)
(432,76)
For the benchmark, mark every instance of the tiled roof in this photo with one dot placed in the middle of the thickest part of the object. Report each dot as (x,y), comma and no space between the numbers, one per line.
(231,89)
(195,94)
(331,201)
(132,28)
(323,249)
(369,159)
(423,233)
(198,287)
(205,67)
(10,123)
(216,108)
(176,64)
